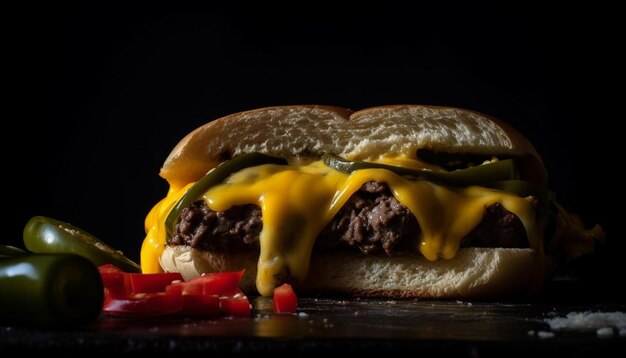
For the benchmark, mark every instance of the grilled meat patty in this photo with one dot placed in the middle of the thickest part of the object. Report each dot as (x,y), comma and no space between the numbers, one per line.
(372,220)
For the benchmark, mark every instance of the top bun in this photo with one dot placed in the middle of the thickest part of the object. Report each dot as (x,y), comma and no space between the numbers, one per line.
(307,132)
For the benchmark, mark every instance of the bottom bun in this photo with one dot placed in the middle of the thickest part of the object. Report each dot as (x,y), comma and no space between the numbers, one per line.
(476,273)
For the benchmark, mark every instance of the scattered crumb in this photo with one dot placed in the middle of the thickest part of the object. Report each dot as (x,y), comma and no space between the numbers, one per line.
(356,313)
(468,304)
(531,333)
(545,334)
(303,314)
(171,344)
(586,321)
(605,332)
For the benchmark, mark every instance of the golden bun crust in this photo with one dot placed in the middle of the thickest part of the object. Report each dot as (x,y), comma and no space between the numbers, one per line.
(307,132)
(475,273)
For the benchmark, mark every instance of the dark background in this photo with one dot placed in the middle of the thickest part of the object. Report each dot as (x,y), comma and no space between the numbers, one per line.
(110,90)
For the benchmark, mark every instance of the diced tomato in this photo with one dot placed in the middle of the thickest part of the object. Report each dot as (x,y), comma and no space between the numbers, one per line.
(187,288)
(166,293)
(285,300)
(108,268)
(221,284)
(200,305)
(175,288)
(237,307)
(144,304)
(115,281)
(195,304)
(155,282)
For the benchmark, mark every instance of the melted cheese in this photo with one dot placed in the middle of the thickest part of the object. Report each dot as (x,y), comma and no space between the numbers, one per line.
(154,243)
(297,202)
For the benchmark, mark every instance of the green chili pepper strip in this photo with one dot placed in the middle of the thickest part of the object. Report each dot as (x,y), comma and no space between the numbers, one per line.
(44,235)
(49,291)
(523,188)
(214,177)
(11,251)
(478,175)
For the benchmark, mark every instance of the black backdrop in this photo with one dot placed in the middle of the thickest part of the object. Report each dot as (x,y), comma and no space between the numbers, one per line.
(110,90)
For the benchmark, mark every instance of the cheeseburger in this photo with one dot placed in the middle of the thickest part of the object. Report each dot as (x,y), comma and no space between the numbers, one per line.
(395,201)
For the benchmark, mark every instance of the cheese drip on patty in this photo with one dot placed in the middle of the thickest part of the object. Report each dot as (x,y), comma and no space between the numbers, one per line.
(298,201)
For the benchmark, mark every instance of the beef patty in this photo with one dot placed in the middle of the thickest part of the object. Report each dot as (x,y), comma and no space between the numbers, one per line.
(372,220)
